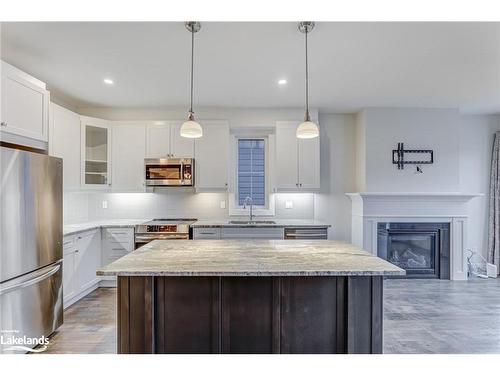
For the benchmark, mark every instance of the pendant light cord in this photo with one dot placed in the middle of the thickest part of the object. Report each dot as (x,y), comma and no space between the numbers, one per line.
(307,80)
(192,68)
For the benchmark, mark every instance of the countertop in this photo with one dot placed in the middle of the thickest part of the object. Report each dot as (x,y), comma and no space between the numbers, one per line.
(249,258)
(277,223)
(82,227)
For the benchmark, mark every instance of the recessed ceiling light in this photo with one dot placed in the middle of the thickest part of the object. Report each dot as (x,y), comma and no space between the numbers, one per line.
(282,82)
(108,81)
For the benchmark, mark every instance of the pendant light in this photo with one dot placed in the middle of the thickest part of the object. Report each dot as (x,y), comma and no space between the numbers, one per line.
(307,129)
(190,128)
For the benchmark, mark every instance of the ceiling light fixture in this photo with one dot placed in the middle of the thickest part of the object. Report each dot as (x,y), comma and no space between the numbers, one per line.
(190,128)
(108,81)
(282,82)
(307,129)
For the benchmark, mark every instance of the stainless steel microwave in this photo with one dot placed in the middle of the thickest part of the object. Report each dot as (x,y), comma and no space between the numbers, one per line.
(169,172)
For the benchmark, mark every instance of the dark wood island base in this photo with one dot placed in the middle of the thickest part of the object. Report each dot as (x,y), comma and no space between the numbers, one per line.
(250,314)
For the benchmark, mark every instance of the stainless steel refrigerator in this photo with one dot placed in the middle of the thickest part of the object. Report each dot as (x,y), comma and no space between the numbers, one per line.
(31,247)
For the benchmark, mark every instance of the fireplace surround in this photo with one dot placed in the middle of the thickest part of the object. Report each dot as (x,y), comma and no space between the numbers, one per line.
(371,208)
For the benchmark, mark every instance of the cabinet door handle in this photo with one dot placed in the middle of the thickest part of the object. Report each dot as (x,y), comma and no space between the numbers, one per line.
(300,184)
(3,123)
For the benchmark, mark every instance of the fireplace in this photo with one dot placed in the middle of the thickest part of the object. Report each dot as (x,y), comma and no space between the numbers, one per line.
(422,249)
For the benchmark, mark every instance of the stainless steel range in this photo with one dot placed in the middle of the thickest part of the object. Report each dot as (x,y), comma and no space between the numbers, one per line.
(162,229)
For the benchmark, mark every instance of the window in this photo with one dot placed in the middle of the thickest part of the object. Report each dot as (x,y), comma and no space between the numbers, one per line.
(251,171)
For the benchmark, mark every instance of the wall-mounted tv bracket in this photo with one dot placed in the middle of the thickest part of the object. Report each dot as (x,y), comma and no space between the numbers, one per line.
(398,156)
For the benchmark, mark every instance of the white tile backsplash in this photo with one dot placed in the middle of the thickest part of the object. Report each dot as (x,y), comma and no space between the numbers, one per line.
(81,207)
(75,207)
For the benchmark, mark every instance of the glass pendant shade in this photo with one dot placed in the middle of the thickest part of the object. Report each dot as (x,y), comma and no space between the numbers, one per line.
(191,129)
(307,130)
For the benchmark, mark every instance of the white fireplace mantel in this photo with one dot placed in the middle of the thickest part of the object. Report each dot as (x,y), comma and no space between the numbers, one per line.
(368,209)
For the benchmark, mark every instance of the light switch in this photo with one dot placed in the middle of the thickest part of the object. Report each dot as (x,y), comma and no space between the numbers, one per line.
(104,204)
(223,204)
(288,204)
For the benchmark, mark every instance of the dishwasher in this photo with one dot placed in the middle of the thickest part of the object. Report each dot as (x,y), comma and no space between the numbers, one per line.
(306,233)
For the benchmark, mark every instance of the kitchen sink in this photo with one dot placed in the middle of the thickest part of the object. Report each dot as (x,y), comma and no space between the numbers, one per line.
(253,222)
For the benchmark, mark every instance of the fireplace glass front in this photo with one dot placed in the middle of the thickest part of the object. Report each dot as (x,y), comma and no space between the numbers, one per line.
(422,249)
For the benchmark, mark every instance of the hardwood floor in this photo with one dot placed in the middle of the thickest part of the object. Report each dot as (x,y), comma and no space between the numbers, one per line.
(420,316)
(441,316)
(89,326)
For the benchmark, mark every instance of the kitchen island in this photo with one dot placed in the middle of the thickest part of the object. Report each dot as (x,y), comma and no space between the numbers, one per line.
(257,296)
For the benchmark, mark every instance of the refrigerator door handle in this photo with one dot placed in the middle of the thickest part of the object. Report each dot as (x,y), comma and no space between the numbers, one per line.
(40,275)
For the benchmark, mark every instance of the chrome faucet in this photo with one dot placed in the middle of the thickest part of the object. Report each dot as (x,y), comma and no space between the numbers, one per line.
(247,200)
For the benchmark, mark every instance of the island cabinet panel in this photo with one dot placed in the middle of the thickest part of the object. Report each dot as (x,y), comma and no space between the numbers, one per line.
(312,315)
(364,314)
(187,315)
(250,314)
(135,314)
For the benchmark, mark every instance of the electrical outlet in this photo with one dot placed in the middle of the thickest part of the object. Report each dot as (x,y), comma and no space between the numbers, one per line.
(104,204)
(288,204)
(222,204)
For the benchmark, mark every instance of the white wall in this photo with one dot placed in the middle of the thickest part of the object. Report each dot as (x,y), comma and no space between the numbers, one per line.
(476,140)
(338,175)
(435,129)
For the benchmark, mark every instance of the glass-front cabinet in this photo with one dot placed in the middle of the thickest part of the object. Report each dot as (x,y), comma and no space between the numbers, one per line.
(96,152)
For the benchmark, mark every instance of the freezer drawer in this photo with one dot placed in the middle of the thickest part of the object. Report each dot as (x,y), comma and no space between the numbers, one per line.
(31,305)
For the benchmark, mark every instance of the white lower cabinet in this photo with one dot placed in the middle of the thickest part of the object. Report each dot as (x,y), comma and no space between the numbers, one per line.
(116,242)
(69,269)
(81,259)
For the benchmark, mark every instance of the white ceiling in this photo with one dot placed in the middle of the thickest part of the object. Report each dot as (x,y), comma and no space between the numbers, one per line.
(352,65)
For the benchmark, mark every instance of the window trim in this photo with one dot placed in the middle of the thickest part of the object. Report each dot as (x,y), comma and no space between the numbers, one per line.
(269,209)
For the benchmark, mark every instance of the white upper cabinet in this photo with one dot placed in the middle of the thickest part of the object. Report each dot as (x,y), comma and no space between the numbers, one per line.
(96,152)
(286,156)
(297,160)
(163,140)
(158,140)
(129,151)
(309,163)
(24,104)
(180,147)
(212,156)
(64,142)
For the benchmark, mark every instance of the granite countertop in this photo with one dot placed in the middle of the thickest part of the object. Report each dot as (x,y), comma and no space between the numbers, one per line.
(82,227)
(249,258)
(277,223)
